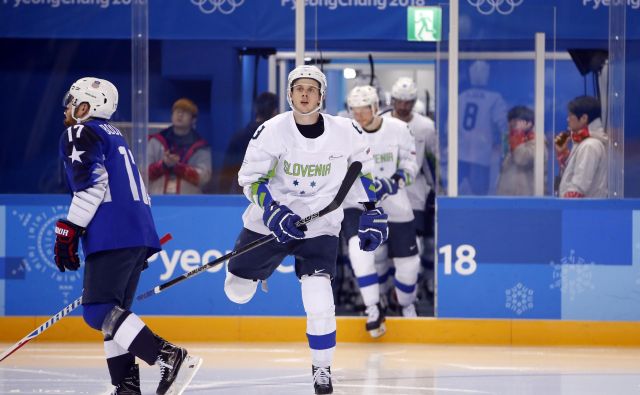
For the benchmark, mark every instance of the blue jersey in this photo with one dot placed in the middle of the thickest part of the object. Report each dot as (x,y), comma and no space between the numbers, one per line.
(123,218)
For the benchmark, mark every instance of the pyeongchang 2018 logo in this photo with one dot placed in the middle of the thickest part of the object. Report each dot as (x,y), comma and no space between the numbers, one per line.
(225,7)
(488,7)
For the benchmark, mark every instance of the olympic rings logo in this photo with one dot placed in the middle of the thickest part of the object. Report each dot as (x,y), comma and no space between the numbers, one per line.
(488,7)
(225,7)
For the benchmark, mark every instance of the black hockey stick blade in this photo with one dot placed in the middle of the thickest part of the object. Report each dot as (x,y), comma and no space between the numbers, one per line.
(352,174)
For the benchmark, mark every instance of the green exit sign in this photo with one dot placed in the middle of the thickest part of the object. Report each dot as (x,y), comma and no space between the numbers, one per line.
(424,23)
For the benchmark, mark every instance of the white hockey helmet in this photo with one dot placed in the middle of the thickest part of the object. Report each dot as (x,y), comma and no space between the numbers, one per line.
(404,89)
(363,96)
(101,95)
(306,71)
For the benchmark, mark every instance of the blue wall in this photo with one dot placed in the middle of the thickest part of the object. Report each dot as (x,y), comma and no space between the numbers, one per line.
(538,258)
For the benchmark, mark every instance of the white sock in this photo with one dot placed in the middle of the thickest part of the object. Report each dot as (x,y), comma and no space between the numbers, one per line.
(364,268)
(406,278)
(317,297)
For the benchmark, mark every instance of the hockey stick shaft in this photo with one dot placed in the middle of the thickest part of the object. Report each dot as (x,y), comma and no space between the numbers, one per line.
(54,319)
(352,174)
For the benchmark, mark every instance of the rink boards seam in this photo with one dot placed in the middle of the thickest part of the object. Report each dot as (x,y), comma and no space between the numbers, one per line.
(351,329)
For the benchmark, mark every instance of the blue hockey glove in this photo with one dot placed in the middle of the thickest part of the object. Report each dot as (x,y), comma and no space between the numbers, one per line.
(385,187)
(66,247)
(281,221)
(374,229)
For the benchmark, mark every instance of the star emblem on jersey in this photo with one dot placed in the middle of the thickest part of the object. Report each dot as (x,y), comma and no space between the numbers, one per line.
(75,155)
(295,182)
(313,184)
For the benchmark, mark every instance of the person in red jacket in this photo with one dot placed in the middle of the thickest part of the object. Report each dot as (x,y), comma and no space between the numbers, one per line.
(179,159)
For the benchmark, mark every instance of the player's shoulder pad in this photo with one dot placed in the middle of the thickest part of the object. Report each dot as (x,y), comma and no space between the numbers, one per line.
(422,121)
(278,122)
(357,127)
(396,123)
(341,122)
(81,134)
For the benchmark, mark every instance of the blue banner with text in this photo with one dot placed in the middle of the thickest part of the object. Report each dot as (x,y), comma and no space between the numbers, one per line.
(538,258)
(269,20)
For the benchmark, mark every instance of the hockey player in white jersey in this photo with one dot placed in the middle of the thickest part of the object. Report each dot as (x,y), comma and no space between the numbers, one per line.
(403,97)
(393,148)
(421,192)
(293,167)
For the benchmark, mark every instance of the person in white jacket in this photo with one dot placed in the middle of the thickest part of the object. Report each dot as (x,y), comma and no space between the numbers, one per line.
(585,168)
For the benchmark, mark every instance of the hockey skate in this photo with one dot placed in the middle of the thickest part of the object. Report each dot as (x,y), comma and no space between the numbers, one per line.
(409,311)
(375,321)
(177,369)
(130,385)
(322,380)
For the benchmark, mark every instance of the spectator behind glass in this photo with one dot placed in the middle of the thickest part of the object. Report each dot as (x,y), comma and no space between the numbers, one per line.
(585,168)
(179,159)
(517,171)
(266,107)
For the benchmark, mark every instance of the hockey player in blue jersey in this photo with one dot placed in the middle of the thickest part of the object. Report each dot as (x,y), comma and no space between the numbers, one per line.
(110,213)
(293,166)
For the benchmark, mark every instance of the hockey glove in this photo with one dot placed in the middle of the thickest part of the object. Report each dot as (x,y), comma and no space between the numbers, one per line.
(282,223)
(385,187)
(66,248)
(374,229)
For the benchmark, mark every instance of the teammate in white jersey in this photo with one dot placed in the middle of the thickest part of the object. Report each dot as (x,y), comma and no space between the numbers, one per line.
(422,191)
(293,167)
(393,147)
(403,97)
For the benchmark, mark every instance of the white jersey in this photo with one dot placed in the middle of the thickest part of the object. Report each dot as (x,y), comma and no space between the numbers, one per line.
(393,148)
(424,132)
(481,121)
(304,174)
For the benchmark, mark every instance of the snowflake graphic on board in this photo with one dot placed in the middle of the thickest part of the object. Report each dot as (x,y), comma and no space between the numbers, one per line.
(519,298)
(572,275)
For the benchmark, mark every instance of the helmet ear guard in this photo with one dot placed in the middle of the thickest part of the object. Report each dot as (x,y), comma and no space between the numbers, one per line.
(101,96)
(306,71)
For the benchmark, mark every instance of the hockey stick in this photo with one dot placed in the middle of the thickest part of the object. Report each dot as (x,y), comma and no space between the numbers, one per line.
(56,317)
(352,173)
